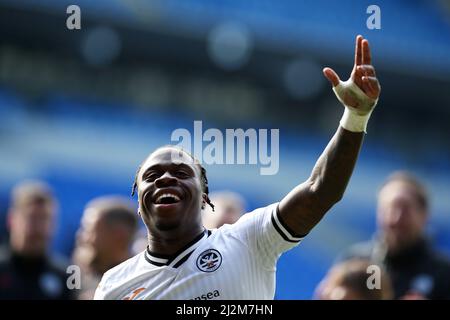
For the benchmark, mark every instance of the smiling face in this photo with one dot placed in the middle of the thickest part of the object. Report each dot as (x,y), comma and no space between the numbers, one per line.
(170,191)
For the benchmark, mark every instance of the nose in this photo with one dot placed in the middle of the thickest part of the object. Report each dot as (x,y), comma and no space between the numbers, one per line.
(165,180)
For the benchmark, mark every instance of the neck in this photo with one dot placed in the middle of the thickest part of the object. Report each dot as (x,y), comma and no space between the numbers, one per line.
(171,241)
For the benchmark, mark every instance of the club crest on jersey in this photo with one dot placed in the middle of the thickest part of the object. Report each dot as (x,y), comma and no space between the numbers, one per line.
(209,260)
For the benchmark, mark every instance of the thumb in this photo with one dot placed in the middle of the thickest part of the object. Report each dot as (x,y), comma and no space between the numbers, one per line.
(331,76)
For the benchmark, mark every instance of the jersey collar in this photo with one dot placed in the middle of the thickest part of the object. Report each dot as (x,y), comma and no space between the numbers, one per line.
(178,258)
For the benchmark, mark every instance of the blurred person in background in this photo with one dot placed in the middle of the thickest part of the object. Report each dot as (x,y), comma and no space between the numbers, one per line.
(228,208)
(348,281)
(104,240)
(27,270)
(417,271)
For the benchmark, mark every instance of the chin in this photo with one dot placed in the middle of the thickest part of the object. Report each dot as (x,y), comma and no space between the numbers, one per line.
(167,226)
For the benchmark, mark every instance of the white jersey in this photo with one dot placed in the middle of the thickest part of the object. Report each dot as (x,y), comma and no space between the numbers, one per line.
(233,262)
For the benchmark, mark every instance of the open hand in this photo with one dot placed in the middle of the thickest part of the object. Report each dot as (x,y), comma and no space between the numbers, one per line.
(363,75)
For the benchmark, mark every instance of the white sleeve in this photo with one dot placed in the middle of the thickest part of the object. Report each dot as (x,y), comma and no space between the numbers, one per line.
(99,292)
(266,234)
(104,289)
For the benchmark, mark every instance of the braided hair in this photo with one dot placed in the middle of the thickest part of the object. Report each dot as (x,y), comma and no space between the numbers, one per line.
(203,177)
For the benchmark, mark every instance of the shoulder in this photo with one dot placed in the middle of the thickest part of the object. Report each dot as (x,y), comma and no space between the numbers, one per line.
(249,222)
(263,210)
(116,277)
(123,269)
(257,216)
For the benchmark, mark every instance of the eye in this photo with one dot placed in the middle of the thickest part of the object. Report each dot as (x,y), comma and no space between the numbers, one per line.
(182,174)
(151,177)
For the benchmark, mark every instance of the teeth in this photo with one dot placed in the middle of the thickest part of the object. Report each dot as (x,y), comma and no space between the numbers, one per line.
(167,195)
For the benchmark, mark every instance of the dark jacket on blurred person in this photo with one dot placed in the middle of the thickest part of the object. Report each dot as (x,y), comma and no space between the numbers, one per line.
(416,272)
(32,278)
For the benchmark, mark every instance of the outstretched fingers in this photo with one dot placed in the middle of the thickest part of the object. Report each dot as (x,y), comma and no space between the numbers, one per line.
(366,56)
(358,50)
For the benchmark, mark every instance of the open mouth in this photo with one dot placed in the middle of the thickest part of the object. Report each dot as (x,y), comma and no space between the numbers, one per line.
(167,198)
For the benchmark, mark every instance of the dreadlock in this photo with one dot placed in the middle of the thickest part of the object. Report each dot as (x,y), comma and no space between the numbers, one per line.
(205,188)
(203,178)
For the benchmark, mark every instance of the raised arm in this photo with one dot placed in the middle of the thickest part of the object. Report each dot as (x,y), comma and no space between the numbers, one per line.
(306,204)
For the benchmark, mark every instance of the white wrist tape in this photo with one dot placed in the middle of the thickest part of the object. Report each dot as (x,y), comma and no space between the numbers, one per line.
(356,117)
(352,121)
